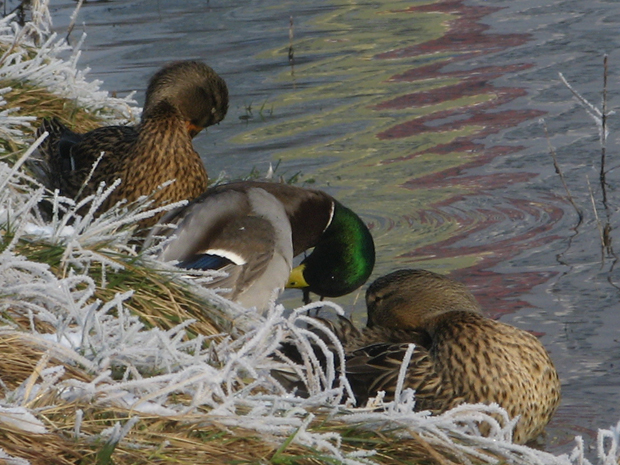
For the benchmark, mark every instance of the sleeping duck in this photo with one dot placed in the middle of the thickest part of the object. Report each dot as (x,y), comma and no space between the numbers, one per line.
(460,356)
(253,229)
(181,99)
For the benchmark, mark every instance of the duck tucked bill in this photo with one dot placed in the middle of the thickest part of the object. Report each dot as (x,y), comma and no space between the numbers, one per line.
(460,356)
(246,227)
(181,99)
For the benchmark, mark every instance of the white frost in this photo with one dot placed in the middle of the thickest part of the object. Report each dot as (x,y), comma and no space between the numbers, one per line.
(20,418)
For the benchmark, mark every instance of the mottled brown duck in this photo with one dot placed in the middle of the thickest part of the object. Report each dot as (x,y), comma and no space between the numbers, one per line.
(181,99)
(460,355)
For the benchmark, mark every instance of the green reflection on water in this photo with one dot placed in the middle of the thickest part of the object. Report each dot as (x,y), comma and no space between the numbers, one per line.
(337,93)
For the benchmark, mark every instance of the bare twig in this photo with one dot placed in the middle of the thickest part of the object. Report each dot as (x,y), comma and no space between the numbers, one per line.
(20,10)
(591,109)
(600,118)
(291,53)
(604,138)
(599,225)
(558,170)
(604,231)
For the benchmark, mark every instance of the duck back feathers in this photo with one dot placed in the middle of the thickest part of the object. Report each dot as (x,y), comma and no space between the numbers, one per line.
(485,360)
(305,219)
(309,211)
(459,356)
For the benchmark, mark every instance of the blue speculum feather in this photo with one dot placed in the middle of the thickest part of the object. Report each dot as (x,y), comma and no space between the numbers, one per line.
(204,262)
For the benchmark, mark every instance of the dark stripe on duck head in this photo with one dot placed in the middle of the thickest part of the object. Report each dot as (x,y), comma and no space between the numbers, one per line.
(310,219)
(309,211)
(343,258)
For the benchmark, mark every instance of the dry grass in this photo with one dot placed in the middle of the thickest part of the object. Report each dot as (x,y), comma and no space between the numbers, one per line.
(33,101)
(20,358)
(184,440)
(157,300)
(28,100)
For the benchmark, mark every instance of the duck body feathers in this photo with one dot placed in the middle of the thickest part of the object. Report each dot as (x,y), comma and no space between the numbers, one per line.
(138,156)
(309,211)
(466,357)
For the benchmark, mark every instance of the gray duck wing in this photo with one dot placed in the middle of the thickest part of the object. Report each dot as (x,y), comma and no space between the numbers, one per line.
(194,227)
(243,250)
(244,233)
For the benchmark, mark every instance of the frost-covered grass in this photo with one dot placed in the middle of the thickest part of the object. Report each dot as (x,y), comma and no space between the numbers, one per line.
(108,356)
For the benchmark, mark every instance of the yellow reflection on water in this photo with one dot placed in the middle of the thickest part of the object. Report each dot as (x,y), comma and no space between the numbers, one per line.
(350,97)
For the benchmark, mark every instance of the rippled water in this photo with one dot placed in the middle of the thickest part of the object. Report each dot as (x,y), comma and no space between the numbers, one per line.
(424,118)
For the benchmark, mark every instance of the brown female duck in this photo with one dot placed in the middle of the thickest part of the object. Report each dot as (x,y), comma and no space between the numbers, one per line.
(460,355)
(181,99)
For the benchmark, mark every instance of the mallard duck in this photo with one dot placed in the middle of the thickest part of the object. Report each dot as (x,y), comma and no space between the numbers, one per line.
(460,355)
(240,228)
(181,99)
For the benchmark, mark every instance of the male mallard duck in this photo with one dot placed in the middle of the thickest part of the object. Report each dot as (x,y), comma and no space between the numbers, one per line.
(460,355)
(252,229)
(181,99)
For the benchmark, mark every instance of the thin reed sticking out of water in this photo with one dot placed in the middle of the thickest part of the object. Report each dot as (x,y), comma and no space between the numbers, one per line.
(291,53)
(600,117)
(558,170)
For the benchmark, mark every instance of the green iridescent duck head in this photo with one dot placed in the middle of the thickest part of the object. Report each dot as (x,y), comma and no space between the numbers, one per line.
(343,257)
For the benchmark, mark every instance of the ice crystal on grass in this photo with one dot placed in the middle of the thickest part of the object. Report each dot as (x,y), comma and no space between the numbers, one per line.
(229,381)
(10,125)
(20,418)
(10,460)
